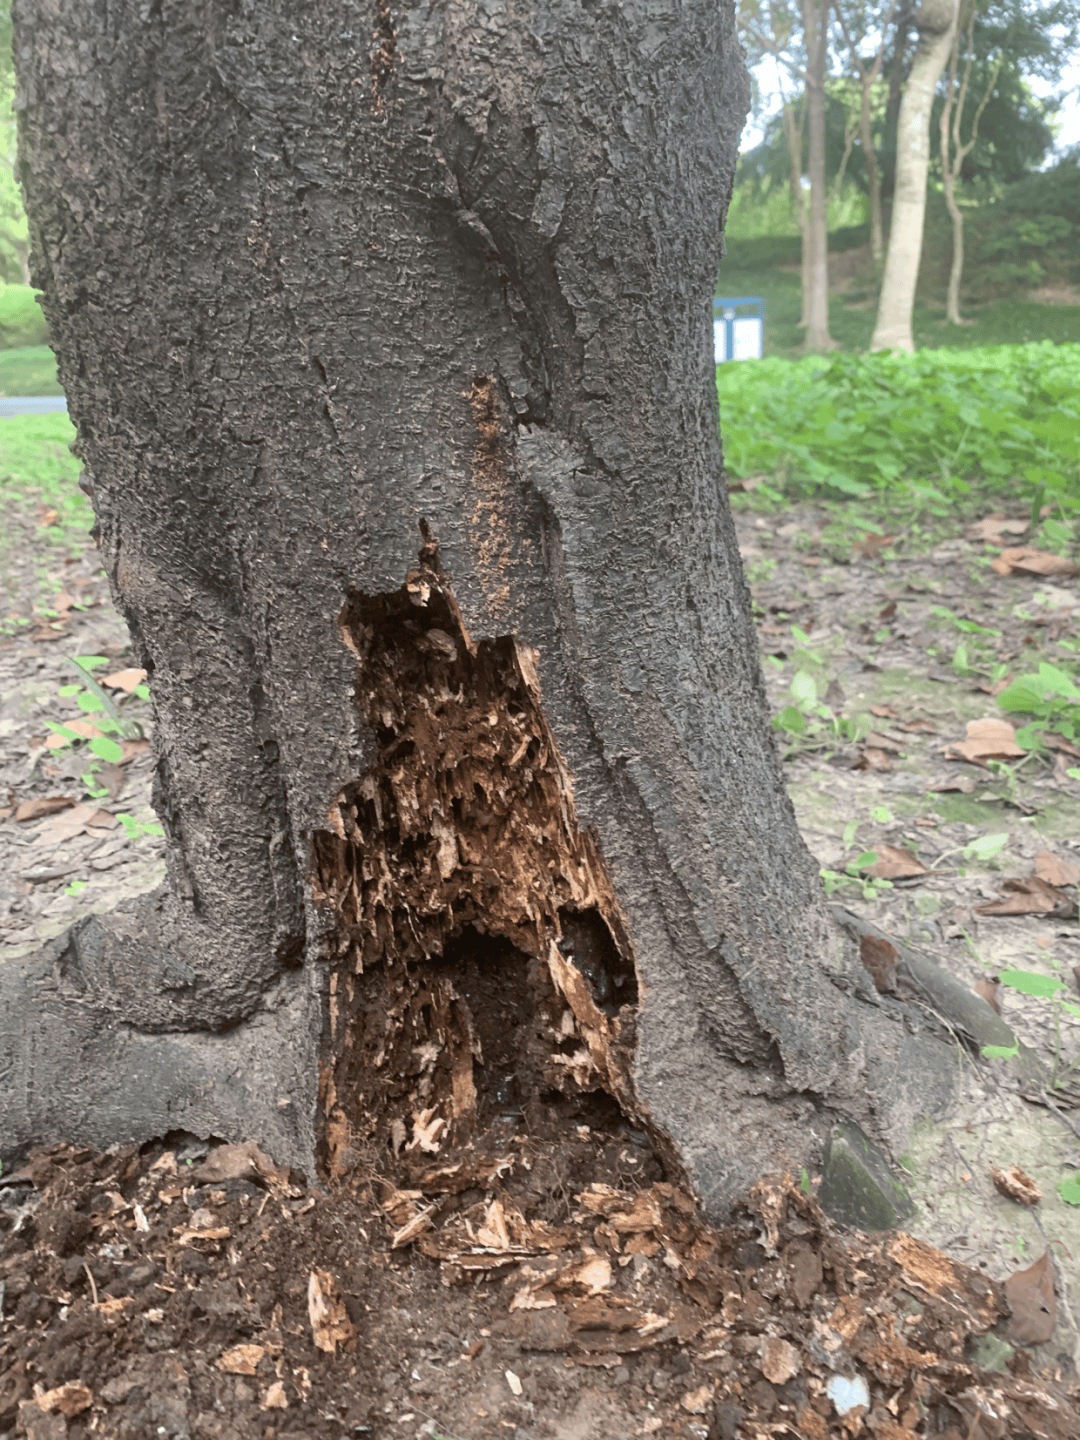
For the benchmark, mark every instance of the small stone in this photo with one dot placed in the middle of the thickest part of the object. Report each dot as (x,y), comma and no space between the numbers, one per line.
(857,1186)
(990,1352)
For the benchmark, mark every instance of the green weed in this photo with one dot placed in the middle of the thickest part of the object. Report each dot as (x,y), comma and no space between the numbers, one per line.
(1051,696)
(930,426)
(108,720)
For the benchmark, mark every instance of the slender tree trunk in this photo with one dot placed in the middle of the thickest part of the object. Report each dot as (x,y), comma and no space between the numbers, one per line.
(392,363)
(873,179)
(956,215)
(904,17)
(817,313)
(937,27)
(793,134)
(955,150)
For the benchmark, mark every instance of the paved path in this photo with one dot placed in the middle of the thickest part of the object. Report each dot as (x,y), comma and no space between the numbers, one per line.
(31,404)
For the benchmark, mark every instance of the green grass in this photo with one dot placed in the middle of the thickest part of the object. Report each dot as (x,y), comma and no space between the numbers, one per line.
(1008,322)
(929,427)
(37,469)
(21,318)
(47,515)
(29,370)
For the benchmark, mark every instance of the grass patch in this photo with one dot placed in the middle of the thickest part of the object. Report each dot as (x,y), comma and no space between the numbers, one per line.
(1006,322)
(928,428)
(29,370)
(38,479)
(21,319)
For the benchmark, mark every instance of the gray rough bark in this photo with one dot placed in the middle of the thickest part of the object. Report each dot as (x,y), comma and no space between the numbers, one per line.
(936,22)
(387,336)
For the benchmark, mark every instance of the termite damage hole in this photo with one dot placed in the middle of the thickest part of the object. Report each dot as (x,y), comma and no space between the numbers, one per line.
(482,989)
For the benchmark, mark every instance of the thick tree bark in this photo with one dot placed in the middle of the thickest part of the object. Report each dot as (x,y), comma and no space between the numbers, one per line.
(388,341)
(936,21)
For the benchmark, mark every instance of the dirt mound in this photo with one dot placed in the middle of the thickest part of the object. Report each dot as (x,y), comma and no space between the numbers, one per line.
(164,1291)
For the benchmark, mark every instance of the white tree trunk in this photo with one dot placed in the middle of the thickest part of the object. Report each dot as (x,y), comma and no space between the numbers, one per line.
(816,265)
(937,28)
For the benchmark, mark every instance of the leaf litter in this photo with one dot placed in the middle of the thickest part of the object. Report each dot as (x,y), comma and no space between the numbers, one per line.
(249,1304)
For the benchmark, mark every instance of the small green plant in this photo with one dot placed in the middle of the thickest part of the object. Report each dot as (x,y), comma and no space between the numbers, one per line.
(108,721)
(983,848)
(93,700)
(137,828)
(1042,987)
(75,888)
(1051,697)
(1069,1189)
(853,873)
(809,722)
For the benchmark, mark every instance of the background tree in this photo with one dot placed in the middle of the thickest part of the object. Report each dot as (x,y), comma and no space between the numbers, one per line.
(936,22)
(855,29)
(954,150)
(389,348)
(771,29)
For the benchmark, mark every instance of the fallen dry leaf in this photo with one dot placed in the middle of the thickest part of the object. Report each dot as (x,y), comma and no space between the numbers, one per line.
(885,712)
(1031,1298)
(990,739)
(65,825)
(330,1323)
(241,1359)
(896,863)
(1031,896)
(1015,1185)
(70,1399)
(883,742)
(989,990)
(964,784)
(125,680)
(993,527)
(513,1381)
(1030,561)
(879,957)
(50,805)
(1054,871)
(917,727)
(275,1397)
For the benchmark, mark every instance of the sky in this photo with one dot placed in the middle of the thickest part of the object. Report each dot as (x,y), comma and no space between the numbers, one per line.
(1068,117)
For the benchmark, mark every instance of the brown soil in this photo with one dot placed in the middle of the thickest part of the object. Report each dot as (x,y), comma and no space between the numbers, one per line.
(162,1291)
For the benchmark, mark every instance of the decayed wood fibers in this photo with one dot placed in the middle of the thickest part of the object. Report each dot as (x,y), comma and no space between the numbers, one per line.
(461,883)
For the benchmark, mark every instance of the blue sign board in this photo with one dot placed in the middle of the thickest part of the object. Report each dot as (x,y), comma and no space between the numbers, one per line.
(738,328)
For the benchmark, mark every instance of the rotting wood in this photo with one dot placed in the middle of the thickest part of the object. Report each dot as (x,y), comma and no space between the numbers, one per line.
(480,960)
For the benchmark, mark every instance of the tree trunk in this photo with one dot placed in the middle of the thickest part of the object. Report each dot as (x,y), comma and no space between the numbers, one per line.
(937,27)
(956,215)
(817,312)
(389,346)
(793,135)
(873,177)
